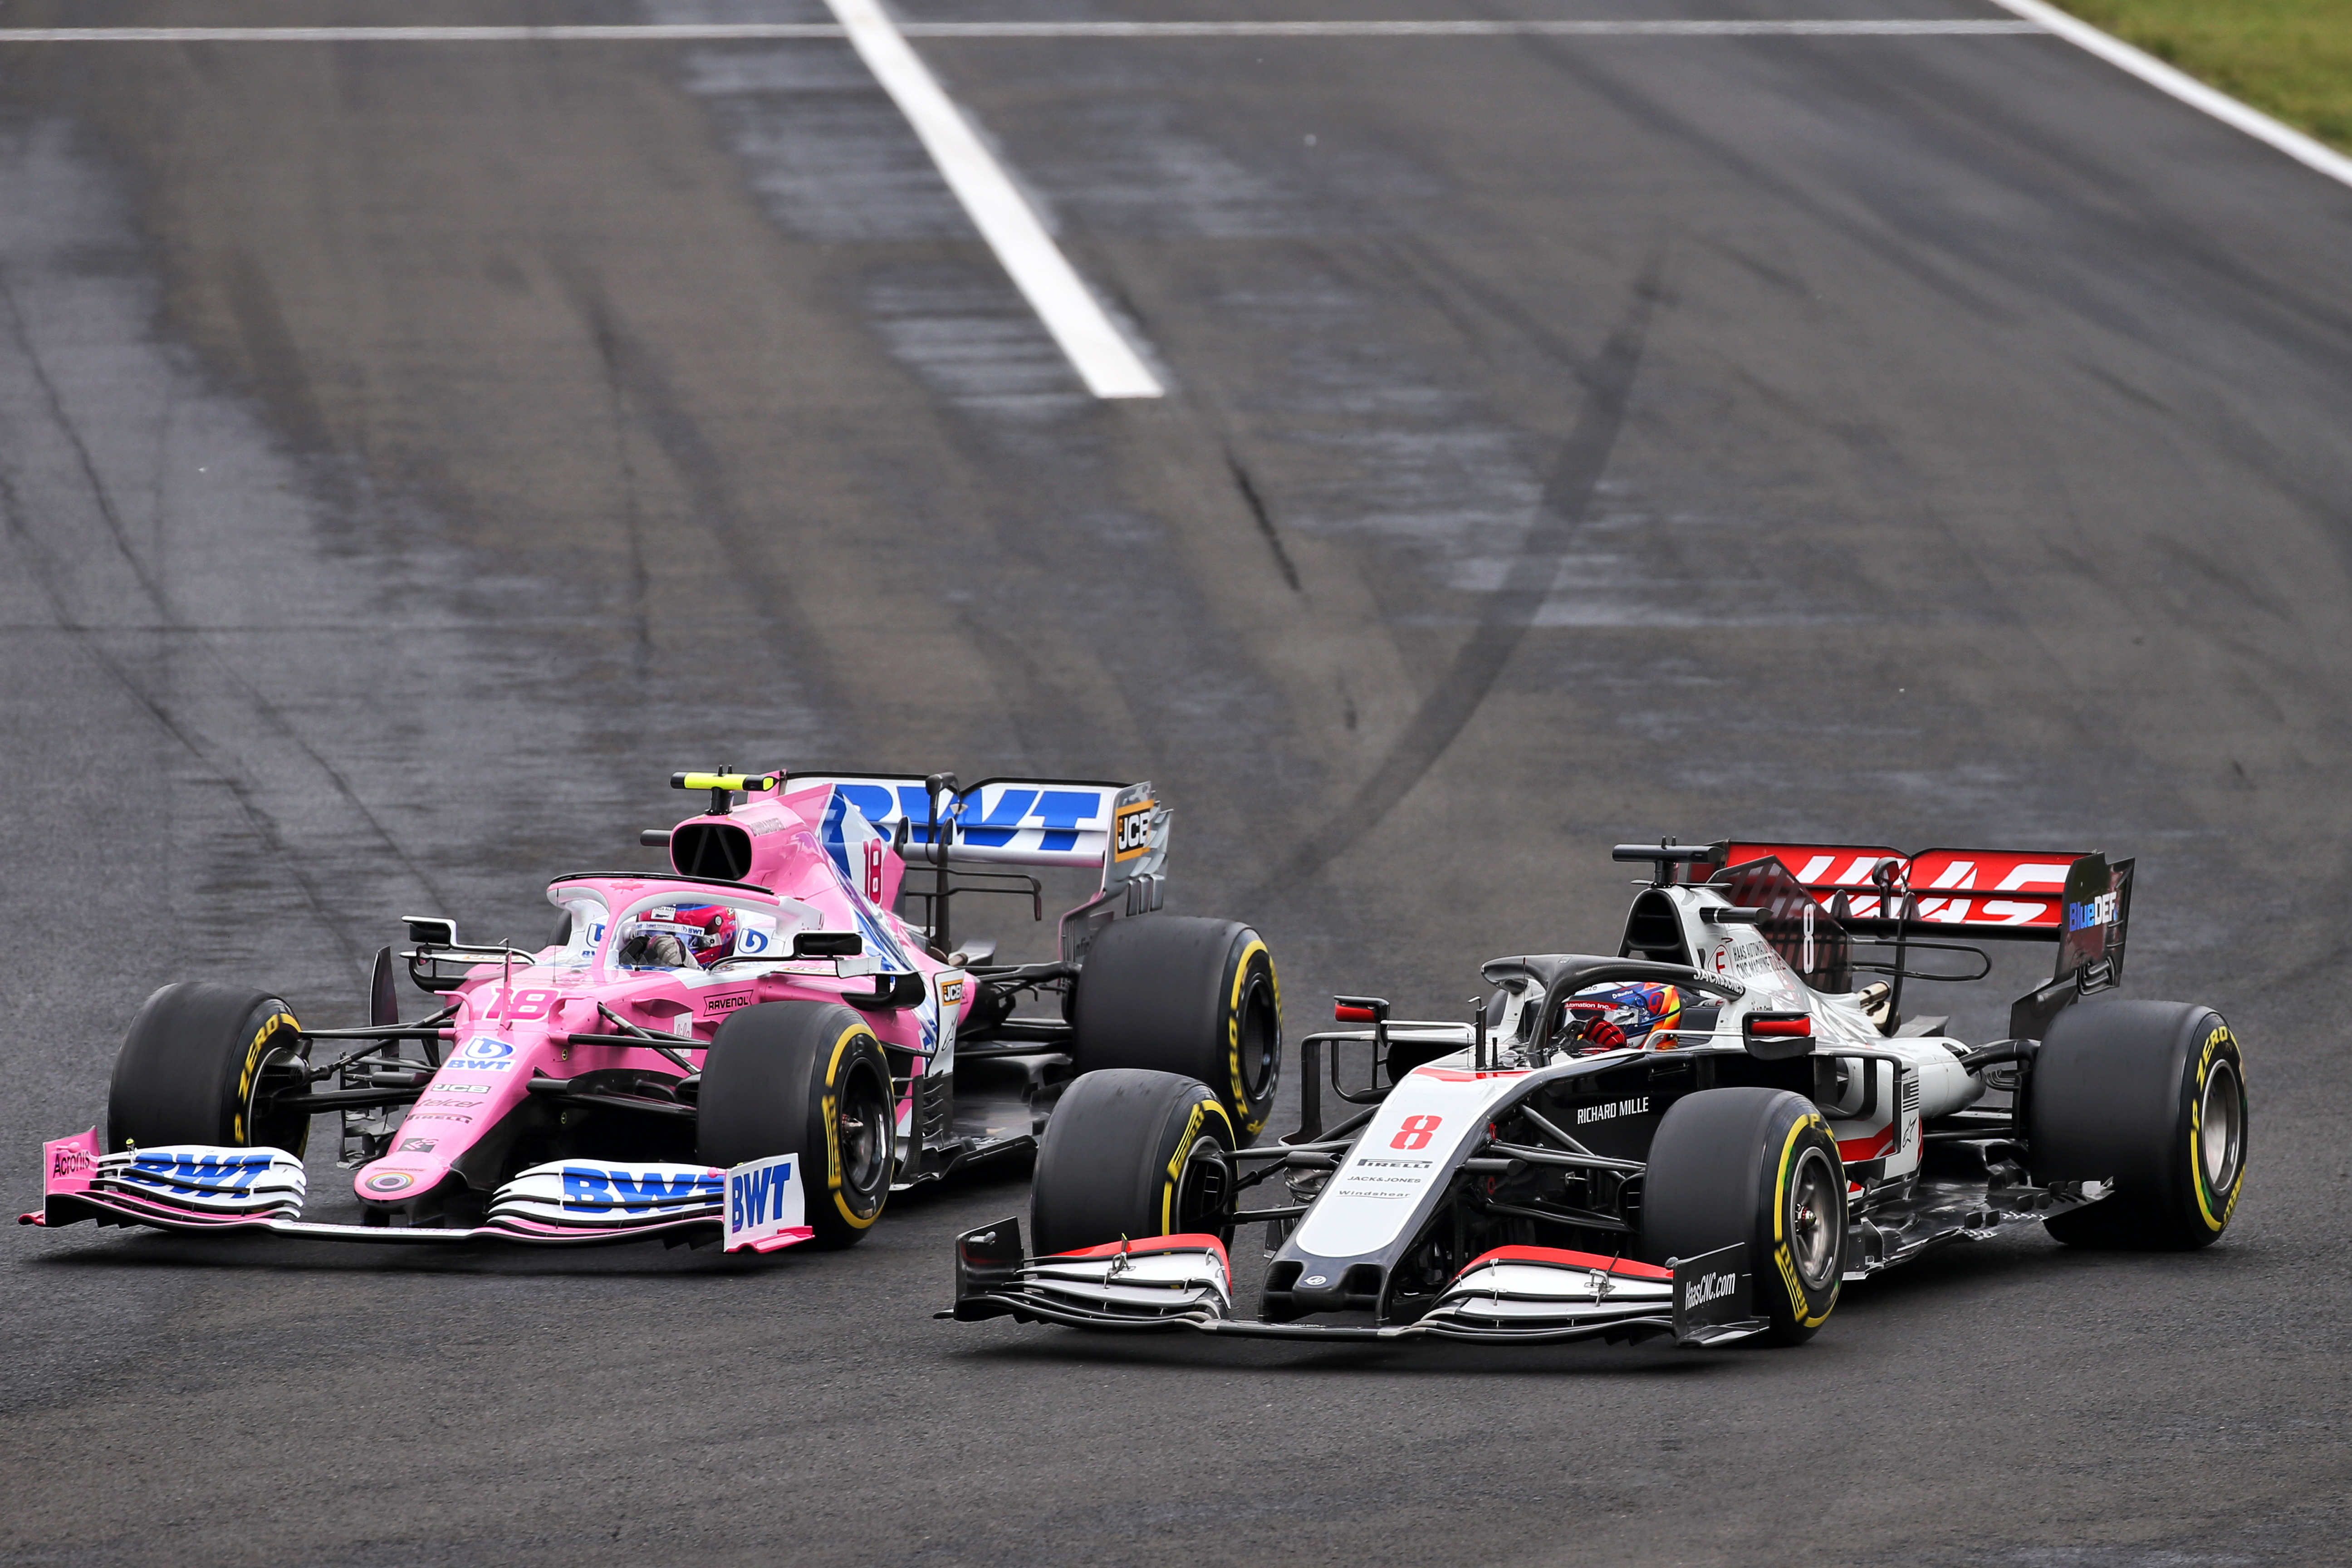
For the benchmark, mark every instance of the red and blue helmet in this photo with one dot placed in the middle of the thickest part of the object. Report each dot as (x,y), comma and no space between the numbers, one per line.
(1642,1015)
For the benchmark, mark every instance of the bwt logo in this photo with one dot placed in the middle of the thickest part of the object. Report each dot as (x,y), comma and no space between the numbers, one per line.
(751,938)
(755,1198)
(482,1048)
(594,1188)
(1710,1287)
(2099,911)
(234,1172)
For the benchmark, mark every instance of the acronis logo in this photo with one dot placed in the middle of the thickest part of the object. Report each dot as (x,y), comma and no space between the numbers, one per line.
(604,1187)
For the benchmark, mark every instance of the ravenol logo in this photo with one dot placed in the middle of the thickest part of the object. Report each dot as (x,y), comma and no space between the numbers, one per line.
(484,1048)
(605,1188)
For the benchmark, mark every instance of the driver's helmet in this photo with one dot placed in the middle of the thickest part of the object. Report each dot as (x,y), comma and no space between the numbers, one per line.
(655,940)
(711,931)
(1616,1015)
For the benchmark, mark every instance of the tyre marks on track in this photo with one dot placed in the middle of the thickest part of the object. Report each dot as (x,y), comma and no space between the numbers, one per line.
(646,397)
(1510,610)
(189,655)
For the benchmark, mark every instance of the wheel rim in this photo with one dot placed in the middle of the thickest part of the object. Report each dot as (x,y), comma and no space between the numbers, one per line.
(864,1128)
(1203,1189)
(1261,1047)
(265,1126)
(1812,1221)
(2222,1128)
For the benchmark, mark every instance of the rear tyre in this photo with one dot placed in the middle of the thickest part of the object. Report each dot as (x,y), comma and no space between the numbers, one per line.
(1131,1153)
(806,1078)
(1179,994)
(2152,1097)
(202,1064)
(1757,1165)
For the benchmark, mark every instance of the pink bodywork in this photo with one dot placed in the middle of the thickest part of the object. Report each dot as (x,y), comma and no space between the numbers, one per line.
(515,1025)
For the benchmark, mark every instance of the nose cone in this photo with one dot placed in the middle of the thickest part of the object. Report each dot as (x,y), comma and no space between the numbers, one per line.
(402,1176)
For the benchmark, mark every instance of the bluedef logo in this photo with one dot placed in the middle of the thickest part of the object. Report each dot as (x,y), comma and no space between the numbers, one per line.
(2098,911)
(604,1188)
(765,1203)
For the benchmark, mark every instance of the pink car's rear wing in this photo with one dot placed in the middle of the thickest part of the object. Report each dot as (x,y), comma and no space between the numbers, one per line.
(1020,822)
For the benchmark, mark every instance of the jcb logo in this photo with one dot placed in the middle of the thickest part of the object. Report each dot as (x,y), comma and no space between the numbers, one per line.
(1131,834)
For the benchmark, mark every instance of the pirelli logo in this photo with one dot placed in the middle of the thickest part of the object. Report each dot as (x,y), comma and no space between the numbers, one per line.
(1131,832)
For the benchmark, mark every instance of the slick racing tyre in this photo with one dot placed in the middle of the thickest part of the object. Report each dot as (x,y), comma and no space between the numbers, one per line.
(202,1064)
(806,1078)
(1183,995)
(2152,1097)
(1131,1153)
(1756,1166)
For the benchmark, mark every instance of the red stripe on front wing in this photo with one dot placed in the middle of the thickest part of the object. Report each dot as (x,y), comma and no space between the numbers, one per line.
(1555,1256)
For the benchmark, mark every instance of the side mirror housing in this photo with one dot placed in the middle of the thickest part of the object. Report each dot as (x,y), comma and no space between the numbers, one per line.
(828,944)
(1777,1036)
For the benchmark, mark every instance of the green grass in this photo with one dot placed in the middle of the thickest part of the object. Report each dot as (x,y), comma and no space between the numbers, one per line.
(2290,59)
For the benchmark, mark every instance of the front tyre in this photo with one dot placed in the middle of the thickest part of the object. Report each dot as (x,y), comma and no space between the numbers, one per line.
(1757,1165)
(2150,1096)
(1179,994)
(1130,1154)
(205,1063)
(806,1078)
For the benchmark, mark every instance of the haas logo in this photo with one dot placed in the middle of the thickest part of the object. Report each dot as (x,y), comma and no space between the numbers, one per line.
(1131,834)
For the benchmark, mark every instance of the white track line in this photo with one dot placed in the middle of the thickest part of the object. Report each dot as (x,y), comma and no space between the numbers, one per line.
(1105,362)
(2185,88)
(720,32)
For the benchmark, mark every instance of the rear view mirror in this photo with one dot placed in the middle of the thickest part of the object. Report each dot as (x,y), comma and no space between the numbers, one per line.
(1777,1036)
(827,944)
(431,931)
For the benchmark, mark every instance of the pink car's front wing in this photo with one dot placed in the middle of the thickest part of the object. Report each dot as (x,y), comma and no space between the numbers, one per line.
(755,1207)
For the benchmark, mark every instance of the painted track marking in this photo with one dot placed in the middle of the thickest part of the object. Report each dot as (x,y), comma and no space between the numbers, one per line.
(2187,88)
(720,32)
(1104,359)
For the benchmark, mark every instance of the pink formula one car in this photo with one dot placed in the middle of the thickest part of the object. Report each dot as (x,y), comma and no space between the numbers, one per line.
(752,1048)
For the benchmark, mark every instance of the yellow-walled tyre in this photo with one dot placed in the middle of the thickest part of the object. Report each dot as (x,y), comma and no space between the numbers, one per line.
(1131,1153)
(202,1064)
(806,1078)
(2150,1096)
(1757,1165)
(1183,995)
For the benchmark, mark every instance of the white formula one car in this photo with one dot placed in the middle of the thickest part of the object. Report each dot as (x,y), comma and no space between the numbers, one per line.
(1704,1136)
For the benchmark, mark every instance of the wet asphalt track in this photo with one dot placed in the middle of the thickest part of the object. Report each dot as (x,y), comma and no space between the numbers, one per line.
(409,455)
